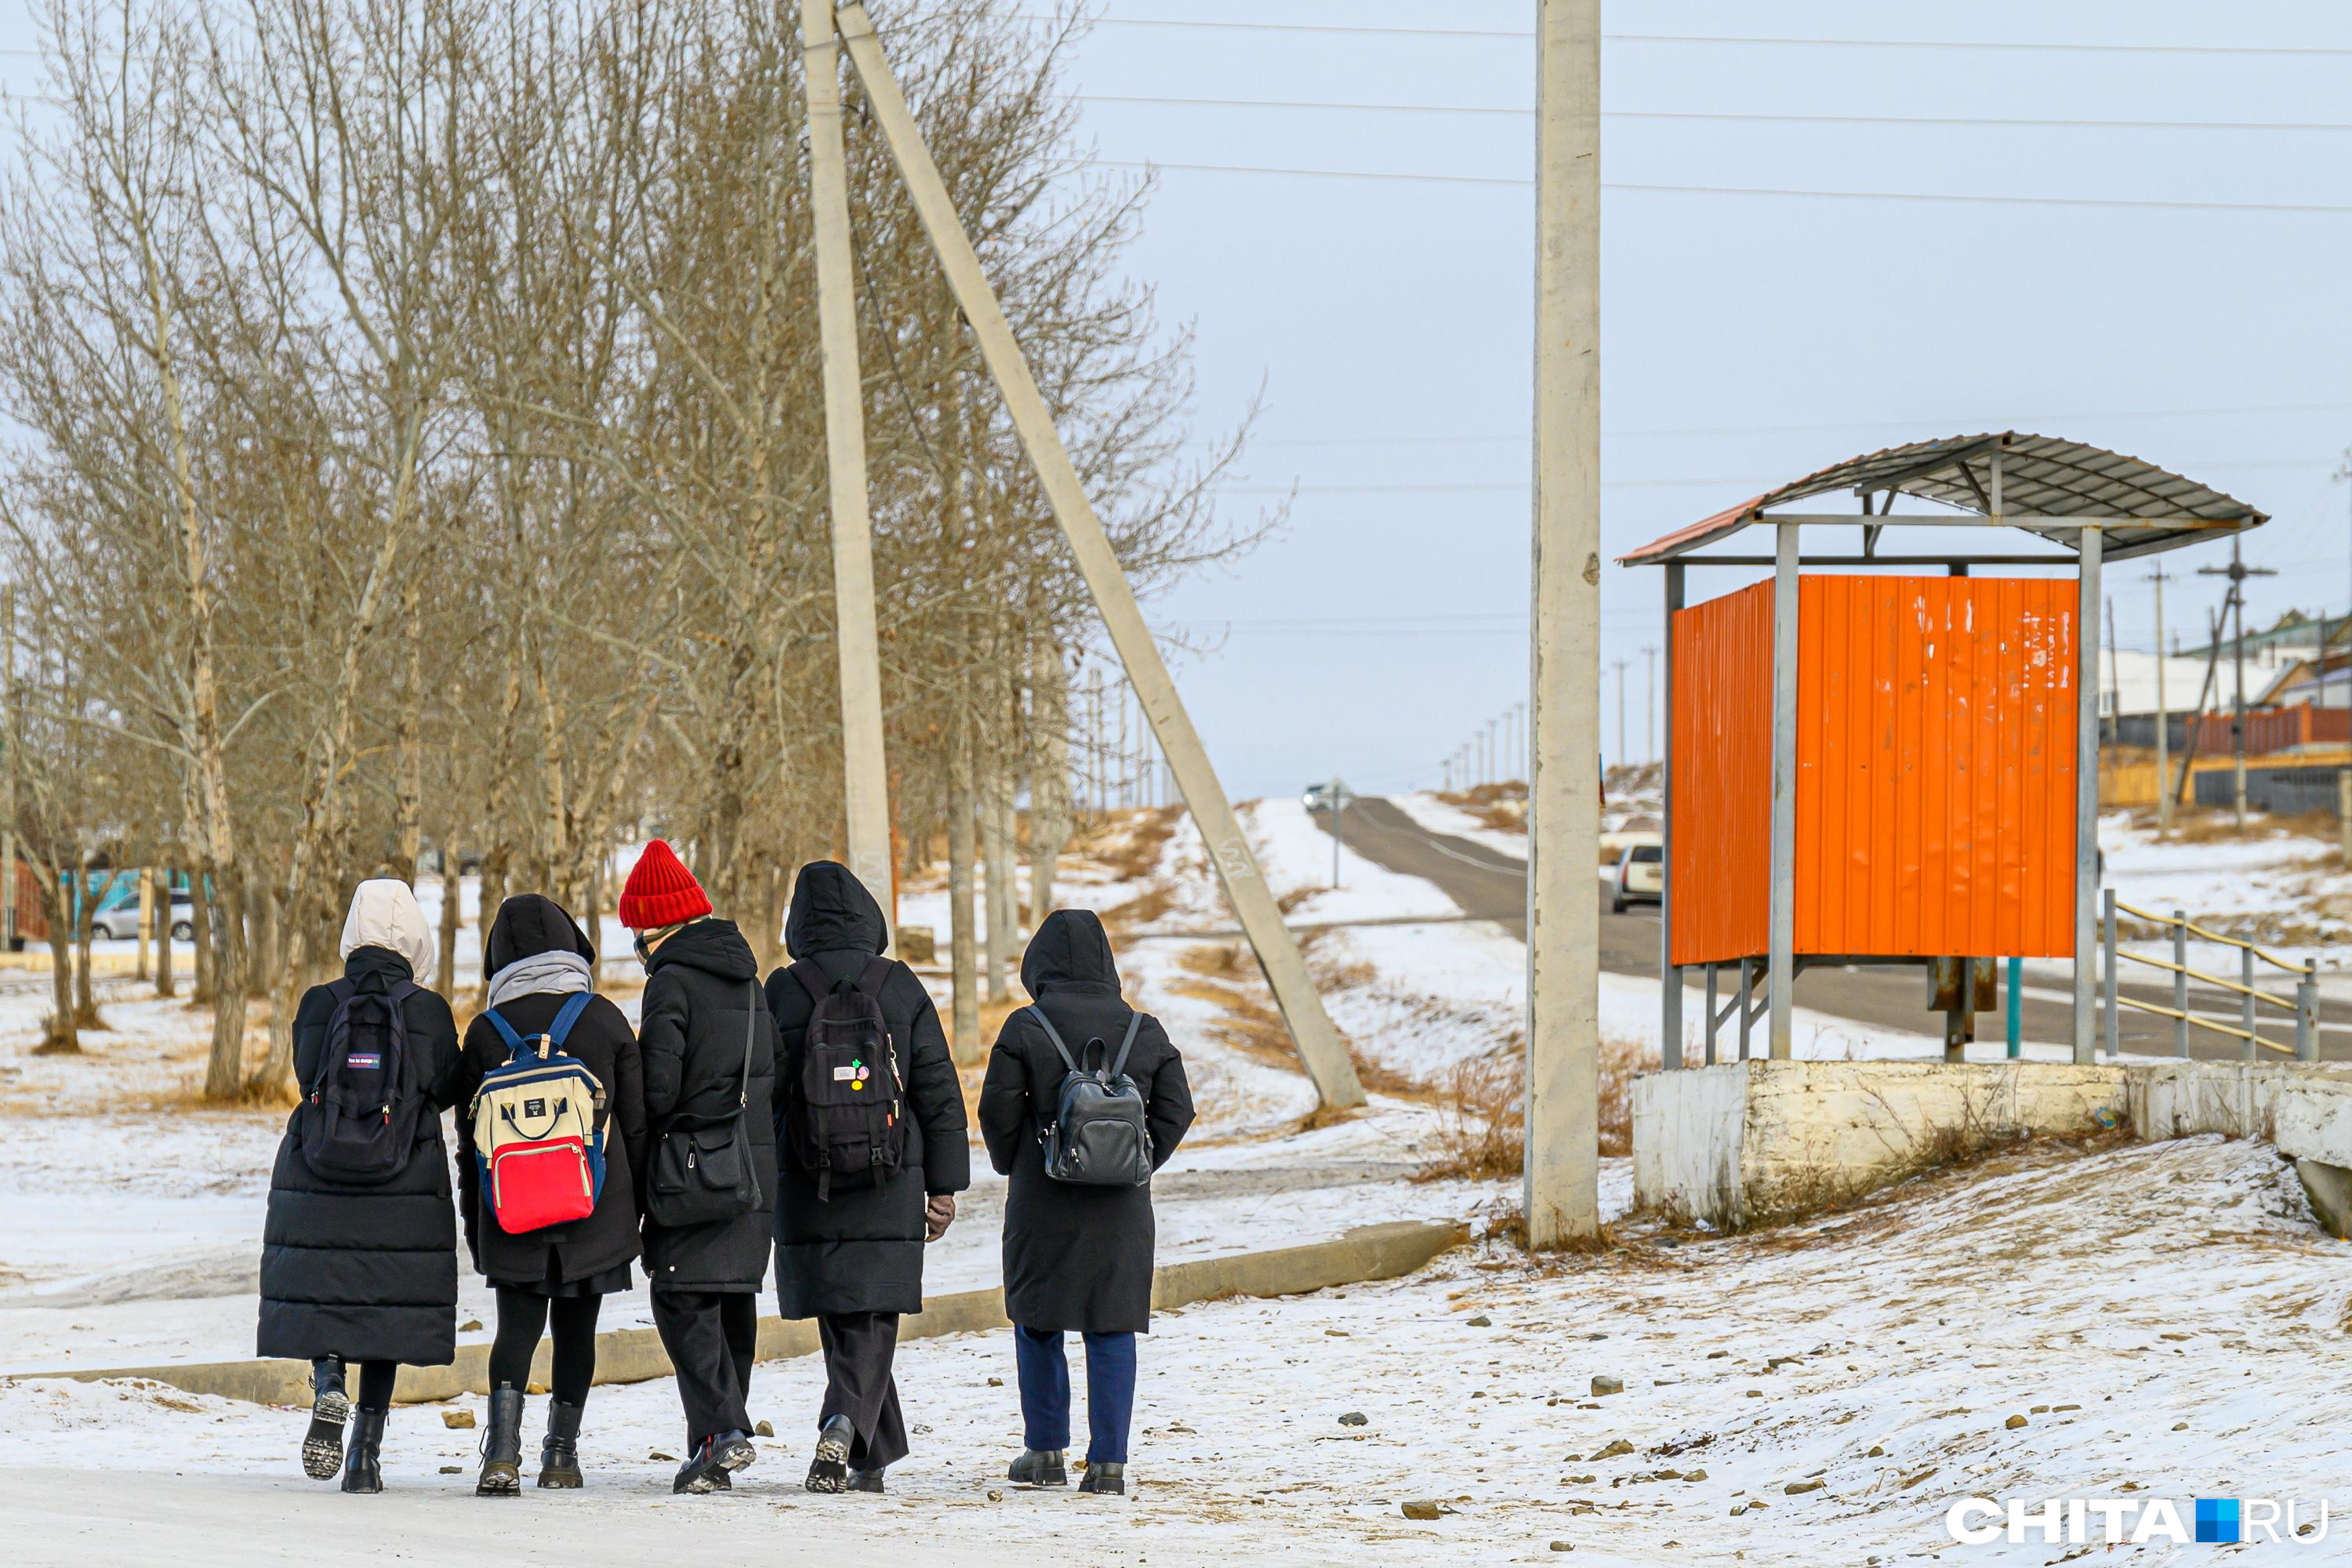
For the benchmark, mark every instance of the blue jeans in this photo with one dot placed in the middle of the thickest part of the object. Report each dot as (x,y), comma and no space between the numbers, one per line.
(1044,1376)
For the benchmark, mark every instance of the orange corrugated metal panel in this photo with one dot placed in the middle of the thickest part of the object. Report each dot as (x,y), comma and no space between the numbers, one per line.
(1936,723)
(1722,802)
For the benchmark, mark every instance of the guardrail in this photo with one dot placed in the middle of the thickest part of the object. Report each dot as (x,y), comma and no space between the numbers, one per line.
(2305,1005)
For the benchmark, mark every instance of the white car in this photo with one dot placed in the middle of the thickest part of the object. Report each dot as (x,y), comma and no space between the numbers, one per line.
(1640,875)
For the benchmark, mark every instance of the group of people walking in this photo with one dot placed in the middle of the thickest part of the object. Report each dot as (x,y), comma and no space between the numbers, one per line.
(818,1117)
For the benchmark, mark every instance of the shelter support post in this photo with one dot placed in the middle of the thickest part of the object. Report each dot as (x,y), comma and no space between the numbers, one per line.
(1320,1049)
(1747,1000)
(1712,1016)
(2114,1001)
(1670,989)
(1780,986)
(2181,984)
(1561,1189)
(866,786)
(2086,802)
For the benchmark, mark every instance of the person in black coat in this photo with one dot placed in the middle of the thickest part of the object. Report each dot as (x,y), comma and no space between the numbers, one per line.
(1076,1257)
(853,1258)
(538,959)
(365,1272)
(709,1049)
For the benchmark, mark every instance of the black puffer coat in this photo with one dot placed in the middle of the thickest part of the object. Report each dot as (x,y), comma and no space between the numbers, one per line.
(698,985)
(366,1273)
(606,1241)
(1076,1257)
(862,1250)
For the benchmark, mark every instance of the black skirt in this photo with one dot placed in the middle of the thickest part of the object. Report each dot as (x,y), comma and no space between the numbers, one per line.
(609,1282)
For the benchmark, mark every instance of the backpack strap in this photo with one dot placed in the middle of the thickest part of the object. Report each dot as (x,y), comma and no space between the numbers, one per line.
(343,990)
(1134,1022)
(506,1032)
(813,979)
(559,1028)
(1054,1035)
(874,976)
(751,1036)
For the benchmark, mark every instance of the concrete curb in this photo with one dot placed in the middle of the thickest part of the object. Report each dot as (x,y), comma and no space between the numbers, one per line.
(635,1355)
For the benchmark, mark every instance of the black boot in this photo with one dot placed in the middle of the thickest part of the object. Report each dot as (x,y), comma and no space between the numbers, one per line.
(1040,1467)
(363,1463)
(322,1444)
(1105,1480)
(702,1472)
(829,1471)
(502,1446)
(558,1454)
(734,1450)
(865,1481)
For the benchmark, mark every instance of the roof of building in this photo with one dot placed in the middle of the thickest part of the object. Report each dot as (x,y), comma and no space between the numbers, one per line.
(2042,477)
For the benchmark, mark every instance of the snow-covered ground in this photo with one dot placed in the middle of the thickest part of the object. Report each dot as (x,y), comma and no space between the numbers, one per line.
(2200,1353)
(1942,1343)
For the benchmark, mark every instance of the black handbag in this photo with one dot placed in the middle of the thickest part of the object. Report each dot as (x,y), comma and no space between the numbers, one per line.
(704,1168)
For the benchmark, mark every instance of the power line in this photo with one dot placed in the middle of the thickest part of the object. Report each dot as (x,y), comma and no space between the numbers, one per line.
(1747,41)
(1643,187)
(1734,117)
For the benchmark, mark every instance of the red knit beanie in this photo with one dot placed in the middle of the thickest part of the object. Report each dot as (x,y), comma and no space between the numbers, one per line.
(661,892)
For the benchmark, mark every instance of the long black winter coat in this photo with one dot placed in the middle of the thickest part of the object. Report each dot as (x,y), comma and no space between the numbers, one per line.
(698,985)
(601,1037)
(366,1273)
(1076,1257)
(862,1250)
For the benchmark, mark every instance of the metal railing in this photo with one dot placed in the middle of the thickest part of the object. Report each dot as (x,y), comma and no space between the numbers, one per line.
(2305,1005)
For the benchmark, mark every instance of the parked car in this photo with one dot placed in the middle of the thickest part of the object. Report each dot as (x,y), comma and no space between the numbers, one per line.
(1640,875)
(118,918)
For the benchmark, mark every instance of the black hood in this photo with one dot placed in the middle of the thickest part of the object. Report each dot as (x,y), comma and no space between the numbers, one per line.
(375,970)
(832,911)
(528,924)
(714,946)
(1071,948)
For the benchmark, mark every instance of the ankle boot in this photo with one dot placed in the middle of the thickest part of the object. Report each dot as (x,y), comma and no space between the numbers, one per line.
(829,1471)
(330,1409)
(1040,1467)
(559,1453)
(363,1462)
(1105,1480)
(502,1446)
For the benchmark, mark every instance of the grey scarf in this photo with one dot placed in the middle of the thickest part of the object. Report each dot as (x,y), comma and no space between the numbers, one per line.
(541,974)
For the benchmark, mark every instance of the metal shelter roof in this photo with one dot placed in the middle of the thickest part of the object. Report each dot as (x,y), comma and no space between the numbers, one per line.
(2045,485)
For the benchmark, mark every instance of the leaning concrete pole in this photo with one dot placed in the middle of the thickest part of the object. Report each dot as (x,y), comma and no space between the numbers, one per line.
(865,785)
(1563,783)
(1320,1047)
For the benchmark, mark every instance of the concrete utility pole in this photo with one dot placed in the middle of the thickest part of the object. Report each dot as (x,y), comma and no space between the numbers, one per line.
(8,732)
(2156,575)
(865,784)
(1320,1050)
(1562,1166)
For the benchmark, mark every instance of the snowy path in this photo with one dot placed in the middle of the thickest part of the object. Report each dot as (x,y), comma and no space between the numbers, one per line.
(2201,1356)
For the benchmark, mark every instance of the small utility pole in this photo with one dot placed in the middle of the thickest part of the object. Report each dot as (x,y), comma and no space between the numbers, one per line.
(1622,757)
(1650,722)
(2236,571)
(2156,575)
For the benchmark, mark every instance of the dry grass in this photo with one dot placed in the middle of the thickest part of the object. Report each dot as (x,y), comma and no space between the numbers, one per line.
(1225,976)
(1127,843)
(1501,806)
(1482,1130)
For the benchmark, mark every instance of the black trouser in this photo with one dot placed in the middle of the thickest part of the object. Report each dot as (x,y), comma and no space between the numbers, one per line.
(522,1314)
(711,1338)
(858,1384)
(376,1378)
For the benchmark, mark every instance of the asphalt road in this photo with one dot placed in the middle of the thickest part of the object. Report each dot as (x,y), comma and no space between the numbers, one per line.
(1491,884)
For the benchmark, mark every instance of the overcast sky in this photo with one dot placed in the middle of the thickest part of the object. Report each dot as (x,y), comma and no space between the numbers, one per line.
(2168,282)
(2164,288)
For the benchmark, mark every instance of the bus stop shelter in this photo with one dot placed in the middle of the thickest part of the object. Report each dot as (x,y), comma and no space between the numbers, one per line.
(1897,763)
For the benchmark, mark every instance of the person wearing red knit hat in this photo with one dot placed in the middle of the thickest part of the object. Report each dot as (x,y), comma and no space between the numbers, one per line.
(709,1050)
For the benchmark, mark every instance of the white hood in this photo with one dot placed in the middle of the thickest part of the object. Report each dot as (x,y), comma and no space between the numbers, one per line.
(385,914)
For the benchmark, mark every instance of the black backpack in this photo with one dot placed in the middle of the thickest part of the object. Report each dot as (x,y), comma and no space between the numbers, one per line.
(358,1117)
(1098,1136)
(845,1116)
